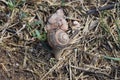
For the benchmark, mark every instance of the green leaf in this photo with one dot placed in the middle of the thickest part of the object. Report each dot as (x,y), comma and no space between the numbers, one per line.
(11,4)
(37,23)
(23,15)
(63,3)
(112,58)
(38,34)
(41,37)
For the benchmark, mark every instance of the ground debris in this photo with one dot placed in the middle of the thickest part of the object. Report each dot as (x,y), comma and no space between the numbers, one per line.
(92,55)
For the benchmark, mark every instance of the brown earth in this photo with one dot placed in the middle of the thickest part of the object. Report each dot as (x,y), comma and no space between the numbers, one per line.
(94,53)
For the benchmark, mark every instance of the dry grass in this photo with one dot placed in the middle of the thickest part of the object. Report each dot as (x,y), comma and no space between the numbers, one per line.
(94,53)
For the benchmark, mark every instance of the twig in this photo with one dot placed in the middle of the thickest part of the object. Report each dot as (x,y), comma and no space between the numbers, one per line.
(107,7)
(52,69)
(92,72)
(5,69)
(65,54)
(4,1)
(71,18)
(70,70)
(21,29)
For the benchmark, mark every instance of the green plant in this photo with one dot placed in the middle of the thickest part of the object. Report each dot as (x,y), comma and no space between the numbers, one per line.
(40,36)
(13,3)
(107,29)
(35,32)
(111,58)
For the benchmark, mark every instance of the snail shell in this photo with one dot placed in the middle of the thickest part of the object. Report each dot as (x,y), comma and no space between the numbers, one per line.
(57,38)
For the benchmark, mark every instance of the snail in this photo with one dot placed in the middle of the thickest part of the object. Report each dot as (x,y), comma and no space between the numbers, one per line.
(56,29)
(57,38)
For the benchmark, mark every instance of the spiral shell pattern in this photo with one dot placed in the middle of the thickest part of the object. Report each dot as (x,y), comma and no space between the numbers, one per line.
(58,38)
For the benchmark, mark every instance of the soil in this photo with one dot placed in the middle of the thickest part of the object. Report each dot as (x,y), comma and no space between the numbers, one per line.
(92,55)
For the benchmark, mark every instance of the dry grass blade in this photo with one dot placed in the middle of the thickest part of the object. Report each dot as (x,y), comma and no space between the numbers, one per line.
(93,52)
